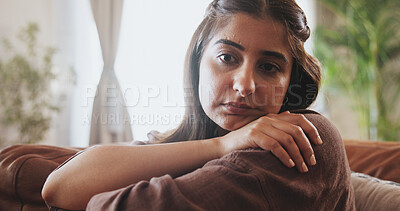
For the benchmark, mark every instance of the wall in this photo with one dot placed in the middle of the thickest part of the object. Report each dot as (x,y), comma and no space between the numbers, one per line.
(339,108)
(56,30)
(68,25)
(15,15)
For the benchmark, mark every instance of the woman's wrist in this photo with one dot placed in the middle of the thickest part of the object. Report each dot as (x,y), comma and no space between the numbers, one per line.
(219,147)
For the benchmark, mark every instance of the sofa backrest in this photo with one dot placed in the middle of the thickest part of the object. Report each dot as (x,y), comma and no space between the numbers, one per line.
(23,171)
(377,159)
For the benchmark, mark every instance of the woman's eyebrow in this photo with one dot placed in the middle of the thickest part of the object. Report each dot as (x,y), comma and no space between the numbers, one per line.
(228,42)
(240,47)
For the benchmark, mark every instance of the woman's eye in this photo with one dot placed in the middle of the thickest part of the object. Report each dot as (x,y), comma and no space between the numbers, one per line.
(226,58)
(268,67)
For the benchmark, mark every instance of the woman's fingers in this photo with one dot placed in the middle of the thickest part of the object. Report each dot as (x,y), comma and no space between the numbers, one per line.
(301,121)
(281,154)
(288,136)
(300,139)
(295,148)
(268,143)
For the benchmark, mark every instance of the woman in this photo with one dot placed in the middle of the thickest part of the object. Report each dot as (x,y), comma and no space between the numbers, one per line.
(246,67)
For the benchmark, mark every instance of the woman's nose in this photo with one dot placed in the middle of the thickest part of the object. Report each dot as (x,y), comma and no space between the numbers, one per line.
(244,82)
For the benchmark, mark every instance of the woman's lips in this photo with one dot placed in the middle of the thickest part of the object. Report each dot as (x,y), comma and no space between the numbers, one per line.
(237,107)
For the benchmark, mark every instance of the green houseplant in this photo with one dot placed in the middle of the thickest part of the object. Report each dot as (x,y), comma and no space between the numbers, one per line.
(359,51)
(25,95)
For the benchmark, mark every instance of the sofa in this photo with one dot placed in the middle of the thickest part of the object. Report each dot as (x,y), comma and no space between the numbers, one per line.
(24,169)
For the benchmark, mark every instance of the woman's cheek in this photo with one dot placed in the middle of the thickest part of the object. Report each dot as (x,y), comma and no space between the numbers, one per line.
(278,91)
(214,85)
(279,95)
(206,95)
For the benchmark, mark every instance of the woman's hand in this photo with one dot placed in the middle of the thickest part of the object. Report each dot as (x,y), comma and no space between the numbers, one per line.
(288,136)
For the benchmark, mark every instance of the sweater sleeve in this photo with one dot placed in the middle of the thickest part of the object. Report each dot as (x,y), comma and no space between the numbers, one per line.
(251,179)
(326,186)
(218,186)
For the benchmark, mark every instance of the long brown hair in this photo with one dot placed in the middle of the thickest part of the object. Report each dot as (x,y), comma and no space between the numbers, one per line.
(306,72)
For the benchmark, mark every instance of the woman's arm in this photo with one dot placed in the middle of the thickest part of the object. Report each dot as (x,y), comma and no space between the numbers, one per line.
(105,168)
(250,179)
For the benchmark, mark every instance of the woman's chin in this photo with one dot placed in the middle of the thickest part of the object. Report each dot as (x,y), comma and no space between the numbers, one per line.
(230,122)
(233,125)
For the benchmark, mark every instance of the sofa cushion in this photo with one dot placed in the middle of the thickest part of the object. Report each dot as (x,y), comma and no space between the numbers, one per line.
(375,194)
(377,159)
(23,171)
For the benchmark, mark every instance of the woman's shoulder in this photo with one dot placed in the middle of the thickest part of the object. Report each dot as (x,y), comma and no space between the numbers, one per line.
(331,157)
(329,180)
(332,152)
(326,129)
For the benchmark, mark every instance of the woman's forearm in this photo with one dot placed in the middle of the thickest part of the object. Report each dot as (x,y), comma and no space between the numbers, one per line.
(106,168)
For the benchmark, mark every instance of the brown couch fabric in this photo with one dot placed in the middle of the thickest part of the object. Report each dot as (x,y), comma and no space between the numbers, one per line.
(375,194)
(23,171)
(251,179)
(377,159)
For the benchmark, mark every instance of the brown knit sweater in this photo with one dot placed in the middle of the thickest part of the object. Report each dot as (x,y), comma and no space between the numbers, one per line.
(251,179)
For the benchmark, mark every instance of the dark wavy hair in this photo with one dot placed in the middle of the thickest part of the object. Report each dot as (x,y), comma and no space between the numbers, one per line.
(306,72)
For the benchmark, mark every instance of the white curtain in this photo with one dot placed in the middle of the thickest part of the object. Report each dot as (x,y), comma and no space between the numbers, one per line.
(110,120)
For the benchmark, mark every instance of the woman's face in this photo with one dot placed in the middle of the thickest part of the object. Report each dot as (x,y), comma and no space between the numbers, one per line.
(244,71)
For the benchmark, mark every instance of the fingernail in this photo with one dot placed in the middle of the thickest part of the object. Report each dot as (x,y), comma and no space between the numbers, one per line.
(312,160)
(319,140)
(291,163)
(305,169)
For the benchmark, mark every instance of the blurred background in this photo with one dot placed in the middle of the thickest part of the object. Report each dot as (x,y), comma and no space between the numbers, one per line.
(51,64)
